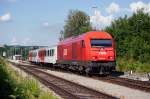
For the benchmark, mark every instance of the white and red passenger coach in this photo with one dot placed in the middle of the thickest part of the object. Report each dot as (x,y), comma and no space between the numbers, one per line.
(91,52)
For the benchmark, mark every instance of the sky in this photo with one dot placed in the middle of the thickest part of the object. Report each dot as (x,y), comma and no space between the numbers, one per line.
(39,22)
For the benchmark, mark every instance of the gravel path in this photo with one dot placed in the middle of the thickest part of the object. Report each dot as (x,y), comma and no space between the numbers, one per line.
(136,76)
(113,89)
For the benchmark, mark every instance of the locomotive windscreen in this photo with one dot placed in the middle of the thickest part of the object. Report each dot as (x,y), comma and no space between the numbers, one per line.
(101,43)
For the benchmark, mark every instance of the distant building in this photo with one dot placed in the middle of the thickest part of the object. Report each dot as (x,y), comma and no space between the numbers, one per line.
(1,46)
(17,57)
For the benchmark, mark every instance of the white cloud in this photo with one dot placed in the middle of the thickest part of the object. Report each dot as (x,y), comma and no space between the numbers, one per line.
(113,8)
(135,6)
(100,21)
(5,18)
(45,24)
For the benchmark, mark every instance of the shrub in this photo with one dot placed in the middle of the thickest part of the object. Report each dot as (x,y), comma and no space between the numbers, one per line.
(130,64)
(15,86)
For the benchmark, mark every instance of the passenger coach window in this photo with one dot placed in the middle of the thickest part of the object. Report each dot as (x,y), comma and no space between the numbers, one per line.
(101,43)
(52,52)
(48,53)
(35,54)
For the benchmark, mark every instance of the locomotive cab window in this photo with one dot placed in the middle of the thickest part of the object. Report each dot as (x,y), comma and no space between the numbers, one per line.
(101,43)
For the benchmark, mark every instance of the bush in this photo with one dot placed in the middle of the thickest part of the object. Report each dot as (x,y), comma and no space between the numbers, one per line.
(135,66)
(14,86)
(131,34)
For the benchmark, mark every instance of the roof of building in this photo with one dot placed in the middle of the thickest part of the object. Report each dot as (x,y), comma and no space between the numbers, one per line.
(1,45)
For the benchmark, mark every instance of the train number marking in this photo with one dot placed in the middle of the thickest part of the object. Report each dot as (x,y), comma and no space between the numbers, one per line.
(102,53)
(65,52)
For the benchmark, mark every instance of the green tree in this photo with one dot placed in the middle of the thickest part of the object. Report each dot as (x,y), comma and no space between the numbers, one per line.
(77,23)
(132,36)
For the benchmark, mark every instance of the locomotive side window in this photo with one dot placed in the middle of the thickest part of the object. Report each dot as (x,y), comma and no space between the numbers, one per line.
(83,44)
(101,43)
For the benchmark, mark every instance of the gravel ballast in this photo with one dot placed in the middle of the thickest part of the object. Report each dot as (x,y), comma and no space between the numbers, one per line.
(109,88)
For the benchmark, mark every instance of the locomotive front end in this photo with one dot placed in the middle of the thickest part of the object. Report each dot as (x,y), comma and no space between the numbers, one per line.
(102,54)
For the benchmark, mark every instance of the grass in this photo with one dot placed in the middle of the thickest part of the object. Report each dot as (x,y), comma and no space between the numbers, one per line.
(15,86)
(136,66)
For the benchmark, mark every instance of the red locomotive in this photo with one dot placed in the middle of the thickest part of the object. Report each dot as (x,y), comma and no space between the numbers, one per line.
(92,52)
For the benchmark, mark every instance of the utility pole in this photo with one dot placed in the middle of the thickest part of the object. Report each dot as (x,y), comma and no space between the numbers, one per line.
(95,12)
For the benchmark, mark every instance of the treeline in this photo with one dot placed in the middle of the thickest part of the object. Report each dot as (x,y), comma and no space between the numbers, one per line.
(132,36)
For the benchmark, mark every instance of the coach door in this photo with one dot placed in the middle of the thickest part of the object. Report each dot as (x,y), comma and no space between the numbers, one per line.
(82,50)
(60,52)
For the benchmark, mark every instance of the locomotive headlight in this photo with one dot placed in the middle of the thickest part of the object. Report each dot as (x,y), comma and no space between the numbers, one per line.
(94,57)
(110,57)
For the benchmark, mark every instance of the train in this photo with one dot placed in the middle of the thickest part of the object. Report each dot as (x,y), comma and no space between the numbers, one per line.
(92,52)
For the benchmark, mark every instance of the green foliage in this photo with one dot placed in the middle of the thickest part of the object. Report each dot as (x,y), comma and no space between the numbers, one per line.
(5,87)
(14,86)
(77,22)
(135,66)
(46,95)
(132,36)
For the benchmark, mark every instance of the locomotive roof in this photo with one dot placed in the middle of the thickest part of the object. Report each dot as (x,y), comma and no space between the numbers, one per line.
(70,39)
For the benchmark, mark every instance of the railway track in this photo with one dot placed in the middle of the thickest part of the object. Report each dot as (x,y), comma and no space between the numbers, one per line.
(140,85)
(135,84)
(64,88)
